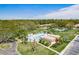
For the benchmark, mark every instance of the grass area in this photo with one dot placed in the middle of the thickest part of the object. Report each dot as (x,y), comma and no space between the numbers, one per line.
(59,47)
(10,29)
(66,37)
(4,46)
(26,49)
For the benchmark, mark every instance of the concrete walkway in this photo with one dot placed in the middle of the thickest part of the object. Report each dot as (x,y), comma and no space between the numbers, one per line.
(49,48)
(72,48)
(11,50)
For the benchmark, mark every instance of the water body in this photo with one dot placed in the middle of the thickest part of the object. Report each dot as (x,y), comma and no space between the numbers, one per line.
(35,37)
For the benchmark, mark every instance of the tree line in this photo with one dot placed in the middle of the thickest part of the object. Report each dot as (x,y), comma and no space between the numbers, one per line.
(13,28)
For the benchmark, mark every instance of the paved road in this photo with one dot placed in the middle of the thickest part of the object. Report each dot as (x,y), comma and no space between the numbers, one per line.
(10,51)
(72,48)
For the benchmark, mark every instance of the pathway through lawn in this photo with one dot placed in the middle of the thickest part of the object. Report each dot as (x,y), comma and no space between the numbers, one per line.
(49,48)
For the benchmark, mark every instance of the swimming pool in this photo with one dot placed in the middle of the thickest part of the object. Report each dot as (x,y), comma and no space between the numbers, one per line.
(35,37)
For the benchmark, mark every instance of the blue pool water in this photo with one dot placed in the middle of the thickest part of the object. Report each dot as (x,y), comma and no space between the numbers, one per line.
(35,37)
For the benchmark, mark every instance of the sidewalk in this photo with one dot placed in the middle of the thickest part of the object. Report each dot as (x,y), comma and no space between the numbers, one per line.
(72,48)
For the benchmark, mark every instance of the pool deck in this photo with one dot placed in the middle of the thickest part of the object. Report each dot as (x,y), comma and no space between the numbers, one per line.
(72,48)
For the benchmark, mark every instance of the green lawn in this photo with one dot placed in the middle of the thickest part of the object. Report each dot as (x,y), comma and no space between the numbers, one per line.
(10,29)
(4,46)
(66,37)
(26,49)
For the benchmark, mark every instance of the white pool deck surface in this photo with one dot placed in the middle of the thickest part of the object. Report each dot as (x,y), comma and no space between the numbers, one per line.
(31,37)
(38,36)
(72,48)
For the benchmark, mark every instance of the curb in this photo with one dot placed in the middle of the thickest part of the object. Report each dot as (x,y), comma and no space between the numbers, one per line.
(62,52)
